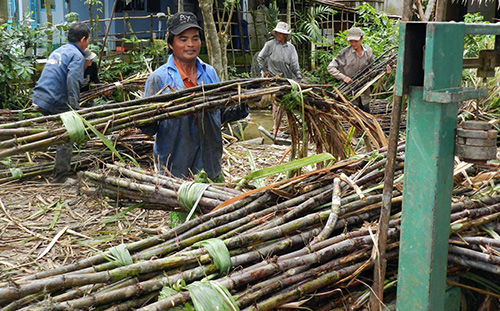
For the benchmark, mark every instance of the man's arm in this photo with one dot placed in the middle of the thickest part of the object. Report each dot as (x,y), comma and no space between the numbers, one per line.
(235,113)
(73,81)
(295,67)
(333,67)
(263,55)
(152,86)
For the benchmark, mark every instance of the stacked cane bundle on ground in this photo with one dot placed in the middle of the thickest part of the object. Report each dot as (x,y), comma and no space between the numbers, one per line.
(310,108)
(291,244)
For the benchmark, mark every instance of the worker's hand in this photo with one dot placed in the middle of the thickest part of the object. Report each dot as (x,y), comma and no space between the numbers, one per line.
(388,69)
(347,79)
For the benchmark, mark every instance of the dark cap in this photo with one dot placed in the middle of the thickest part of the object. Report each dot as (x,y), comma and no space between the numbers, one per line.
(181,21)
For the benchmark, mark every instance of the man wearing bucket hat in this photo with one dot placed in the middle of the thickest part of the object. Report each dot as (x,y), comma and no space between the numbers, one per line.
(90,74)
(192,143)
(279,57)
(350,60)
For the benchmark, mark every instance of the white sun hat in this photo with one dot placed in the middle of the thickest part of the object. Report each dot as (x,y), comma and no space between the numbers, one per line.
(89,55)
(283,28)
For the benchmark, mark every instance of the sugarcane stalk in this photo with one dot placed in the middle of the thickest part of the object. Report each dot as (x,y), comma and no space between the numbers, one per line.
(491,268)
(479,256)
(334,213)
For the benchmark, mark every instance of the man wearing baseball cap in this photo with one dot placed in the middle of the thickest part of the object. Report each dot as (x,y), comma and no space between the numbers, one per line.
(187,145)
(352,59)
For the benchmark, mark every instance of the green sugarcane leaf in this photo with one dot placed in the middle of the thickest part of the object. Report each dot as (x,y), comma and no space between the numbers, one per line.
(258,182)
(189,195)
(293,165)
(16,173)
(7,162)
(122,213)
(57,212)
(121,255)
(177,218)
(208,296)
(74,125)
(167,292)
(108,143)
(219,253)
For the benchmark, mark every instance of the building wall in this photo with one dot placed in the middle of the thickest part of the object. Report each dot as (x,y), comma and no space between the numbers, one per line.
(393,7)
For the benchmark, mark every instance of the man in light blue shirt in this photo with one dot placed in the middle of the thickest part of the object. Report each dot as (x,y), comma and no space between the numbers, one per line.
(187,145)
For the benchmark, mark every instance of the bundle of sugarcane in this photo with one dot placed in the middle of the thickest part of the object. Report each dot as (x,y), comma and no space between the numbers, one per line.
(8,115)
(134,82)
(330,124)
(275,246)
(364,78)
(38,133)
(161,192)
(93,153)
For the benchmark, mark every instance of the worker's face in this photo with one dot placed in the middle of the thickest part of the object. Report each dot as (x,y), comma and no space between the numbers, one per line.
(355,44)
(84,43)
(281,37)
(88,63)
(186,45)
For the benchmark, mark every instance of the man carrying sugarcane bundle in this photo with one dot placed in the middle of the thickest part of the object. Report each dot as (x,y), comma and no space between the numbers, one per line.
(350,60)
(187,145)
(58,89)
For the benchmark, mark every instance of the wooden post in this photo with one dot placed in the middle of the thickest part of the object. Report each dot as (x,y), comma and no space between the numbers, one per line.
(106,34)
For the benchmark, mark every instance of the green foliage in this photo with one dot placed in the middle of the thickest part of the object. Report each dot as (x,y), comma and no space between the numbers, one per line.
(17,64)
(476,43)
(381,33)
(119,255)
(309,25)
(144,55)
(271,13)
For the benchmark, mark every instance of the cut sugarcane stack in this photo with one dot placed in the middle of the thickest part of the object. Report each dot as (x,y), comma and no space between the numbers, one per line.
(280,252)
(161,192)
(319,112)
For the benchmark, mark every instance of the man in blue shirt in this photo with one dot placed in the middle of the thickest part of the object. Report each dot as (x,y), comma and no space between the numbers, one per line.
(187,145)
(58,88)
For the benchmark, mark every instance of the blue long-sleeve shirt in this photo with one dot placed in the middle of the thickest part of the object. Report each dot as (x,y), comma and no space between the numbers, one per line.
(191,143)
(60,81)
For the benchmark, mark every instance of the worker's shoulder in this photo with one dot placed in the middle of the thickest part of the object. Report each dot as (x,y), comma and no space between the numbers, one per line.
(344,50)
(368,49)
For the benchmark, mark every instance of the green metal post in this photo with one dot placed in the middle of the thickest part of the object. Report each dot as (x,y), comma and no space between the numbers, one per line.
(428,175)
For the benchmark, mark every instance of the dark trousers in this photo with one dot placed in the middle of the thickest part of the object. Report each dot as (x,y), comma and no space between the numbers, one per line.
(62,164)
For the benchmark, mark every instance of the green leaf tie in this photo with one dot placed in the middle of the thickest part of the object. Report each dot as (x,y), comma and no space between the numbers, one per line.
(211,296)
(189,195)
(74,125)
(219,253)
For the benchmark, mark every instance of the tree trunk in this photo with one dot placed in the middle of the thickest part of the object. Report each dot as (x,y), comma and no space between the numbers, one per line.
(289,12)
(216,52)
(180,5)
(91,22)
(48,11)
(3,11)
(407,12)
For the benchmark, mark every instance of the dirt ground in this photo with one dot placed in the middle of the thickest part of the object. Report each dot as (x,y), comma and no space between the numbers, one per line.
(44,225)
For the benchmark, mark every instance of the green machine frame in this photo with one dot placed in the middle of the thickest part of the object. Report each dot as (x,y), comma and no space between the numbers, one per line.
(430,73)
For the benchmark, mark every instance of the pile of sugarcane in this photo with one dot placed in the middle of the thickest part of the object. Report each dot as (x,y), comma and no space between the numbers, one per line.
(159,191)
(367,76)
(93,153)
(381,109)
(41,132)
(131,83)
(305,242)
